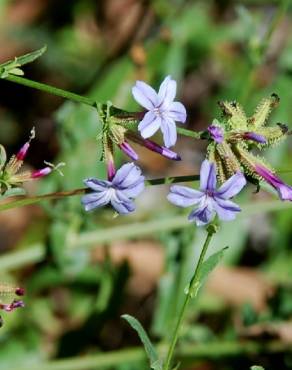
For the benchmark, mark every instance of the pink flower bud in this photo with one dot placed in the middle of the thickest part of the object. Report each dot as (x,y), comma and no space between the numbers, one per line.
(40,173)
(22,152)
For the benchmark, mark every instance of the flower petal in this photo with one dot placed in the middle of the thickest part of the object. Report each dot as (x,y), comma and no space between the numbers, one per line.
(145,95)
(284,190)
(95,200)
(167,92)
(168,129)
(177,112)
(122,204)
(216,133)
(135,189)
(207,176)
(127,176)
(202,215)
(184,196)
(225,209)
(149,125)
(232,186)
(96,184)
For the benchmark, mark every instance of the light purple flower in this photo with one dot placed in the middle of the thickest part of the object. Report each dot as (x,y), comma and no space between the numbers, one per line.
(163,111)
(210,201)
(126,185)
(284,190)
(216,133)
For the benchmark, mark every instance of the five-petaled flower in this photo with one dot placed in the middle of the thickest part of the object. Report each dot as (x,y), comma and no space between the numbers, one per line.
(210,201)
(126,184)
(163,111)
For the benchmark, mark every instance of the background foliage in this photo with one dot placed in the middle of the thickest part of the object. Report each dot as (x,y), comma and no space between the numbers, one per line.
(83,271)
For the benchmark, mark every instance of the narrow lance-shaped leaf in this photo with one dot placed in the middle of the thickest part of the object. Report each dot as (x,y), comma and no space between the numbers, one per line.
(208,266)
(12,66)
(155,363)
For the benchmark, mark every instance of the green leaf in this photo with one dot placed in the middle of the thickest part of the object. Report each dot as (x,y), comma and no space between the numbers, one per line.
(31,57)
(155,363)
(207,266)
(210,263)
(12,66)
(257,368)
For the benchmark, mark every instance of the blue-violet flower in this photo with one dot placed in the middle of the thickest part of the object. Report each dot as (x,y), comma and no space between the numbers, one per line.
(210,201)
(126,185)
(163,111)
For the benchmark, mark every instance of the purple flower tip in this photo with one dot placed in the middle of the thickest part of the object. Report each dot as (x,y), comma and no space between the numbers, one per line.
(255,137)
(216,133)
(162,110)
(209,200)
(41,173)
(126,185)
(129,151)
(284,190)
(161,150)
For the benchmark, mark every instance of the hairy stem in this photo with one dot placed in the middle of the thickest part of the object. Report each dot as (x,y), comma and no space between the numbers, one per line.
(77,98)
(192,285)
(51,90)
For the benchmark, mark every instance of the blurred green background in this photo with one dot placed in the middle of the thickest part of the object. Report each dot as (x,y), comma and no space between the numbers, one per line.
(83,271)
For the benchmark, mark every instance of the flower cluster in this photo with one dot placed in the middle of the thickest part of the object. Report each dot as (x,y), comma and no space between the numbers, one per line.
(229,157)
(231,141)
(9,170)
(127,183)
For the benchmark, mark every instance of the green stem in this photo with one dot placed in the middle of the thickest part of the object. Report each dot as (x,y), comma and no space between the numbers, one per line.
(51,90)
(77,98)
(62,194)
(192,285)
(93,239)
(190,133)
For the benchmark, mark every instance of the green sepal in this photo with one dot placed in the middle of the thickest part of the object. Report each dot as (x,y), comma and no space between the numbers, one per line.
(234,115)
(263,111)
(12,192)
